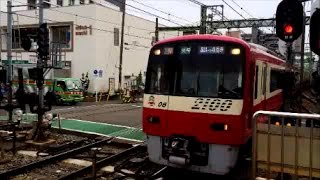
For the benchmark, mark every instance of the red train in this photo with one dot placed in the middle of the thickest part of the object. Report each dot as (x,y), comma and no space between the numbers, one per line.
(201,92)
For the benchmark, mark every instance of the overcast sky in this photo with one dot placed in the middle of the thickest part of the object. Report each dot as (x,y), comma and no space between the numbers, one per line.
(189,13)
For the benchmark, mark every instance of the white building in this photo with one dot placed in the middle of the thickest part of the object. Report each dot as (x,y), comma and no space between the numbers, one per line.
(90,35)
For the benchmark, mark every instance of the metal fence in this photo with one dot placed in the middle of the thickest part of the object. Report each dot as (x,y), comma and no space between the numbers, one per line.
(285,145)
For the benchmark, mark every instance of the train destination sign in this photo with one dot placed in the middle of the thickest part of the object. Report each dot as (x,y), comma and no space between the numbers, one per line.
(211,50)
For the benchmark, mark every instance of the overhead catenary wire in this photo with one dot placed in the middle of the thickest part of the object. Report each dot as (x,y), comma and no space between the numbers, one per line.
(161,11)
(245,11)
(147,12)
(86,17)
(242,9)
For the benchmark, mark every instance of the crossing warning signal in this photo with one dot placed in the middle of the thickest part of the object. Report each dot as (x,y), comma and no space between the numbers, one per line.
(289,20)
(43,41)
(315,32)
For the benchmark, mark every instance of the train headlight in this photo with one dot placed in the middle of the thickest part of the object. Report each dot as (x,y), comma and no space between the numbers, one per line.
(235,51)
(157,52)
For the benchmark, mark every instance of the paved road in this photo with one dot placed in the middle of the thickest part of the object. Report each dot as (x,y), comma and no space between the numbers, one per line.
(111,112)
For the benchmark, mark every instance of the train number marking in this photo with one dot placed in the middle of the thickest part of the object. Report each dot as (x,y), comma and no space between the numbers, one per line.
(162,104)
(212,104)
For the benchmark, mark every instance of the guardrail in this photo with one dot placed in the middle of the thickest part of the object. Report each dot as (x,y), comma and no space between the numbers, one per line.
(284,150)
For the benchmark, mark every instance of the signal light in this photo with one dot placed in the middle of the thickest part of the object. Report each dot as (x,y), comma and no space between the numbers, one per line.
(289,20)
(288,29)
(43,42)
(315,32)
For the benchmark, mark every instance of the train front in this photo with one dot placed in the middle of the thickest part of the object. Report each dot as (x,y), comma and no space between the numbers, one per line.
(193,103)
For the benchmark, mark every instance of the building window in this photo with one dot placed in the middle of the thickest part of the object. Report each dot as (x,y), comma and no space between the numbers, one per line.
(71,2)
(46,4)
(61,35)
(81,1)
(116,37)
(59,2)
(26,32)
(31,4)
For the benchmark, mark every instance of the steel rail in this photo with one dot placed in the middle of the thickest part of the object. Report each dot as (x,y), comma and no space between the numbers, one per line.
(159,173)
(104,162)
(33,165)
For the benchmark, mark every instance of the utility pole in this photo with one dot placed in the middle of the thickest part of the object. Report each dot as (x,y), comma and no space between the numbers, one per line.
(203,16)
(9,56)
(122,42)
(38,135)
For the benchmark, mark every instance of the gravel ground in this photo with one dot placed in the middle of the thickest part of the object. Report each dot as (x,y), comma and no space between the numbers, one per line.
(60,169)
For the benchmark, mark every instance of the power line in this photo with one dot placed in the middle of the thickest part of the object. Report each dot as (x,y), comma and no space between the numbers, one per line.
(98,29)
(161,11)
(149,13)
(197,2)
(234,9)
(242,8)
(86,17)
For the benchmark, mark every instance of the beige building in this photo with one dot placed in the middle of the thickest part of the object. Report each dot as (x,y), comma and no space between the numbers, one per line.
(89,34)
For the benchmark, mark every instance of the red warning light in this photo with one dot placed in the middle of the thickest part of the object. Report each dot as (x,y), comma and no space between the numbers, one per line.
(288,29)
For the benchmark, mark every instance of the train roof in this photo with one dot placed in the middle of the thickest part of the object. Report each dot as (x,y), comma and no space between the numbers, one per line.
(204,37)
(253,47)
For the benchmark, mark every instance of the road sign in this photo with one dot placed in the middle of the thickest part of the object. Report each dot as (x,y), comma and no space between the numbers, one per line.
(16,62)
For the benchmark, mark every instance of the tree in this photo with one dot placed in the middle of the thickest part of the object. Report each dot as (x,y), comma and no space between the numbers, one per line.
(139,80)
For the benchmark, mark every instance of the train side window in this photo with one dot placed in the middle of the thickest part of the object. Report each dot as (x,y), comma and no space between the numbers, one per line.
(274,81)
(256,84)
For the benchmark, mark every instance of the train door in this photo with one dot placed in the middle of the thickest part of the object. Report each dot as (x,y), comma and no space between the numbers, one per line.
(264,82)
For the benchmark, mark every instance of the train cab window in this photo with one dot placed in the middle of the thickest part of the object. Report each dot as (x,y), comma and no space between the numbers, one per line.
(196,69)
(159,73)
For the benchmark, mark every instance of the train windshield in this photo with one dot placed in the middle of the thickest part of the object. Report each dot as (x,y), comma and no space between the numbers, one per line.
(197,70)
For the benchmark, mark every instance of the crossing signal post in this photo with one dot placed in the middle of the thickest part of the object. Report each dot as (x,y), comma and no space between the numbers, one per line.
(43,55)
(315,32)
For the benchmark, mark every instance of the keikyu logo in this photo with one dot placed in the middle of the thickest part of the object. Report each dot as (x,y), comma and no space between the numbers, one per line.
(151,101)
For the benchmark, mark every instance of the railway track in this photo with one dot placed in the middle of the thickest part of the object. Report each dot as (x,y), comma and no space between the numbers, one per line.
(130,163)
(52,165)
(309,105)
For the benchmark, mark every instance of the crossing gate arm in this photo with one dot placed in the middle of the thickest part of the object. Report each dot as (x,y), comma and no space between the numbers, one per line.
(276,148)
